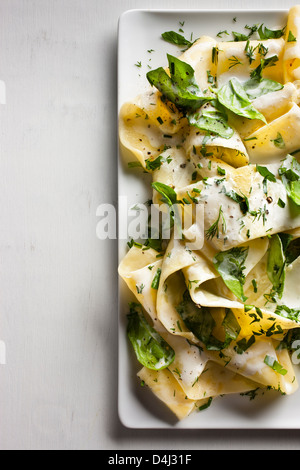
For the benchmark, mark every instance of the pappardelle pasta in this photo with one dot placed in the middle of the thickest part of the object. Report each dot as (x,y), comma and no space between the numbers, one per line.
(219,132)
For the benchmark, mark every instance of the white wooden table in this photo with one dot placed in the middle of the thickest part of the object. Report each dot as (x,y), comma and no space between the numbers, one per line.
(58,305)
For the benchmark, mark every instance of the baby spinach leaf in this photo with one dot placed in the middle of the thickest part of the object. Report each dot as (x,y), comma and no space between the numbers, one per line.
(276,265)
(256,88)
(180,87)
(168,194)
(176,38)
(231,327)
(290,313)
(230,265)
(151,350)
(294,192)
(292,251)
(212,121)
(233,96)
(283,250)
(290,176)
(201,323)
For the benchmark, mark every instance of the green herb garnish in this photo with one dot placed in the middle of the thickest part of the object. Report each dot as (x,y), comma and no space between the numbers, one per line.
(230,265)
(271,362)
(180,86)
(291,37)
(233,96)
(156,279)
(290,176)
(151,350)
(214,230)
(266,33)
(177,39)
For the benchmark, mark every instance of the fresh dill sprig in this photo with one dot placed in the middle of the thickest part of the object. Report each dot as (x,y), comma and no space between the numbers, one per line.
(214,230)
(234,61)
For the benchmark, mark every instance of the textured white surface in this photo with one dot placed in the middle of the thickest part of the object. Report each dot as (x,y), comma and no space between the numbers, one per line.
(58,305)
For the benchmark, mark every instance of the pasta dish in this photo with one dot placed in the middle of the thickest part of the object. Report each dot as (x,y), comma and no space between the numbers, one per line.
(217,305)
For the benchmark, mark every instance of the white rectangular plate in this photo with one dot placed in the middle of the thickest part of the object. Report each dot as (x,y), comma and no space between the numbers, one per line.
(140,32)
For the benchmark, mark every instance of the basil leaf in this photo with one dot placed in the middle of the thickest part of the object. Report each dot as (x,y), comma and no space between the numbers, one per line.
(175,38)
(276,265)
(292,251)
(231,327)
(266,33)
(294,192)
(151,350)
(180,87)
(256,88)
(214,122)
(168,194)
(233,96)
(230,266)
(271,362)
(290,176)
(286,239)
(201,323)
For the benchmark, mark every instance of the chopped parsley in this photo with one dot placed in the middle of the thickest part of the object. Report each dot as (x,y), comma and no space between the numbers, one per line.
(278,142)
(291,37)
